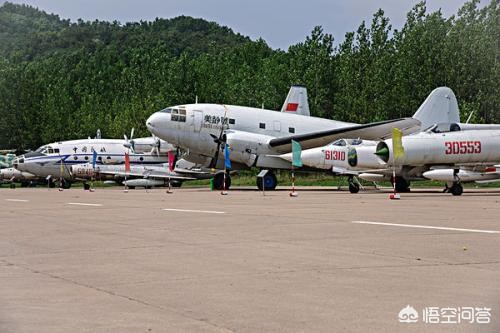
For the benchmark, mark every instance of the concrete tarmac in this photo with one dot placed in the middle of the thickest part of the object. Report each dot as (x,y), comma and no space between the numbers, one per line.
(197,261)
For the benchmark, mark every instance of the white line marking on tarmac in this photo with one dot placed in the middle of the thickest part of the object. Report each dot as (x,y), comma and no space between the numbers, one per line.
(84,204)
(17,200)
(194,211)
(428,227)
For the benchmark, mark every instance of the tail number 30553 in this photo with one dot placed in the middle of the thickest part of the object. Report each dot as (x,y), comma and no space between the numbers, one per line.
(462,147)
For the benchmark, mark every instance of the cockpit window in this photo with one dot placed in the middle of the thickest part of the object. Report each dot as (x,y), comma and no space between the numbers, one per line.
(356,142)
(41,149)
(179,115)
(340,142)
(167,110)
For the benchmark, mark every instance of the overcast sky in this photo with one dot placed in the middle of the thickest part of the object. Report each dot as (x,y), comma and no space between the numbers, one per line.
(280,23)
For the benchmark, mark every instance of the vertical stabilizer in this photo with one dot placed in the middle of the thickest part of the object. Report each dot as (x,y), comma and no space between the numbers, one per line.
(296,101)
(440,107)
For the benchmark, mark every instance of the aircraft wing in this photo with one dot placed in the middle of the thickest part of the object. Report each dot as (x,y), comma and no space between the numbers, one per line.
(372,131)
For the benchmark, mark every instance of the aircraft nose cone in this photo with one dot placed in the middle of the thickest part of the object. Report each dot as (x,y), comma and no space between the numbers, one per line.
(153,122)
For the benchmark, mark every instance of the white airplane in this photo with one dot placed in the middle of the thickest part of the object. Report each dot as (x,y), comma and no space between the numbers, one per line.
(453,157)
(258,137)
(357,157)
(53,161)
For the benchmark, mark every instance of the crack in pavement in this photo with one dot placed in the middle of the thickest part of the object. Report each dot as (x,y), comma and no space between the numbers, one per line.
(114,294)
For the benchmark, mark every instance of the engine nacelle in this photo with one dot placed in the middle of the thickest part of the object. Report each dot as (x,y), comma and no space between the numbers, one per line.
(245,146)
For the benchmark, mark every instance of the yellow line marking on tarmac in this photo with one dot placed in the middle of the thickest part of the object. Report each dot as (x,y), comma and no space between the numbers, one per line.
(17,200)
(194,211)
(84,204)
(428,227)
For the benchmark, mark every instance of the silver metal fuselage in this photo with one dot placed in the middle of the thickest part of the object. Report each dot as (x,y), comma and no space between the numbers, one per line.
(55,159)
(255,128)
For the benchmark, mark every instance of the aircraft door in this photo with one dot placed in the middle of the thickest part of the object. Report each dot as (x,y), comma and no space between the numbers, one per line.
(197,120)
(277,125)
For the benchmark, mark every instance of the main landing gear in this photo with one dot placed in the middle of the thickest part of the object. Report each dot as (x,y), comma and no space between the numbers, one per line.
(402,185)
(353,185)
(270,182)
(456,188)
(219,181)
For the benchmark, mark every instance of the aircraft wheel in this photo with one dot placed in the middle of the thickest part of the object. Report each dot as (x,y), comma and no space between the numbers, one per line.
(176,183)
(52,184)
(12,185)
(353,188)
(219,180)
(457,189)
(402,185)
(86,186)
(270,182)
(65,184)
(131,187)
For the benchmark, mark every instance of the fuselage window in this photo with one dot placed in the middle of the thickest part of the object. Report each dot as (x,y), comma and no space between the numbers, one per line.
(108,158)
(262,125)
(75,158)
(50,151)
(86,158)
(175,115)
(99,158)
(141,158)
(167,110)
(291,129)
(232,121)
(182,115)
(56,150)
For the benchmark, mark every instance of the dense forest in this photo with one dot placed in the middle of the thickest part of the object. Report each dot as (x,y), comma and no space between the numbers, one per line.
(62,80)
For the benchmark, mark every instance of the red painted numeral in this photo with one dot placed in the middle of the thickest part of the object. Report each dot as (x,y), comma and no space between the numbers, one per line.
(462,147)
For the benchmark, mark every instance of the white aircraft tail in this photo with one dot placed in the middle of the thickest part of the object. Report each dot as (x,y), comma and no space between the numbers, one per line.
(440,107)
(296,101)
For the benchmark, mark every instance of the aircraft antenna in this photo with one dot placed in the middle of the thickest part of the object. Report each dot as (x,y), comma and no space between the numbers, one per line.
(470,116)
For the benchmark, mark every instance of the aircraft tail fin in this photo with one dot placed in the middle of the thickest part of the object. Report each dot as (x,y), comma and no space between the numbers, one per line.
(440,107)
(296,101)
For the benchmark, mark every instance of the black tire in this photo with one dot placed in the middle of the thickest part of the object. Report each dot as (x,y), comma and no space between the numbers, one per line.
(12,185)
(457,189)
(176,183)
(353,188)
(52,184)
(131,187)
(402,185)
(86,186)
(65,184)
(270,182)
(219,179)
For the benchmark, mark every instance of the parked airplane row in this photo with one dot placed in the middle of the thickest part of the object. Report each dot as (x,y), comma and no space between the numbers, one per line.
(262,139)
(437,146)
